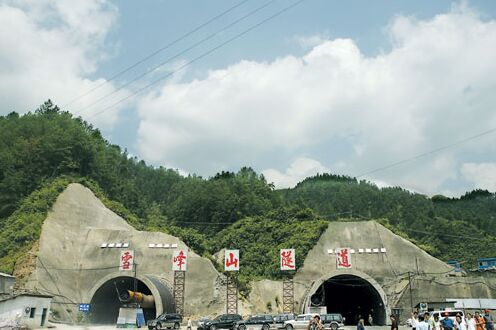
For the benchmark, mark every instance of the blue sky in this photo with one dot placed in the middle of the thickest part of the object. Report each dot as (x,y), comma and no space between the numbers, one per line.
(338,86)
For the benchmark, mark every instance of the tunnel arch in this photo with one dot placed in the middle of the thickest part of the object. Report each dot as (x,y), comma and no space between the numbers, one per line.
(350,293)
(105,303)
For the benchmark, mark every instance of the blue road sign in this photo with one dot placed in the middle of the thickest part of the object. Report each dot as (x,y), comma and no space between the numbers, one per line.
(84,307)
(458,268)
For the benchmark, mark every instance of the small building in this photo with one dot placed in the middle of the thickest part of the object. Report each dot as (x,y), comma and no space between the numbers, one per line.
(6,285)
(27,309)
(435,305)
(473,304)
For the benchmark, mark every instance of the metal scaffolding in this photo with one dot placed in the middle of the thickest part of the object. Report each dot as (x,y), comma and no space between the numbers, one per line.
(288,296)
(232,296)
(179,280)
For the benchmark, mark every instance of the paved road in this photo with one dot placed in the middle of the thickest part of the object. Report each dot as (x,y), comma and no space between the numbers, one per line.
(107,327)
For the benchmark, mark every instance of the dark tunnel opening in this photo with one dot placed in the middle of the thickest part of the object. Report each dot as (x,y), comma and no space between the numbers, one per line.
(105,302)
(352,297)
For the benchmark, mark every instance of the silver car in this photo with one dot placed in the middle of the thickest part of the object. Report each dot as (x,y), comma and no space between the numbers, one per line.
(301,322)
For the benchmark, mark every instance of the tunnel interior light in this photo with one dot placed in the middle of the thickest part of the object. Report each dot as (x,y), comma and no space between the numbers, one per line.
(173,246)
(104,245)
(125,245)
(118,245)
(360,250)
(111,245)
(151,245)
(368,250)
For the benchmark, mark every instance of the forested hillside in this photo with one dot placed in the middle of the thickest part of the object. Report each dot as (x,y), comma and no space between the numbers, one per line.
(461,229)
(41,152)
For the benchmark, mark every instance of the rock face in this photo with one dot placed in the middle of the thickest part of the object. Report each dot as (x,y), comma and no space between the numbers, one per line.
(72,266)
(377,283)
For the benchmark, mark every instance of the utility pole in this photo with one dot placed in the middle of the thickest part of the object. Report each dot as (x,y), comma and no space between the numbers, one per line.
(135,265)
(410,286)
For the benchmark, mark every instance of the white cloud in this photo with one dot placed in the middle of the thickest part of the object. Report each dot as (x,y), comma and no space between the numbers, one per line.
(482,175)
(337,106)
(301,168)
(310,41)
(48,49)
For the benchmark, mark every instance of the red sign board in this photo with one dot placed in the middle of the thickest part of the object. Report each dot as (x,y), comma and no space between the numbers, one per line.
(126,260)
(288,259)
(343,258)
(231,260)
(180,260)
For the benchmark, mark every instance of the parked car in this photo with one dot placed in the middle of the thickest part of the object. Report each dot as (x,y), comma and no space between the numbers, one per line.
(301,322)
(166,321)
(332,321)
(279,320)
(452,313)
(255,322)
(202,321)
(223,321)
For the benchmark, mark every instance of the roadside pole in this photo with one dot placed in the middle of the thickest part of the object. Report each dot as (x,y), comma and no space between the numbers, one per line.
(288,267)
(179,266)
(231,264)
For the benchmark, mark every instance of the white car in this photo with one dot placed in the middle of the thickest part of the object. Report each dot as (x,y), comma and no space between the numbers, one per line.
(452,313)
(301,322)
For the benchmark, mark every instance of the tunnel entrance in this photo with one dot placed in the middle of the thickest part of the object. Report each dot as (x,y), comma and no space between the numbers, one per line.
(351,296)
(105,302)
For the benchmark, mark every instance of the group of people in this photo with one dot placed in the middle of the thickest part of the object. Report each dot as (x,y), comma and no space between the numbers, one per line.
(469,322)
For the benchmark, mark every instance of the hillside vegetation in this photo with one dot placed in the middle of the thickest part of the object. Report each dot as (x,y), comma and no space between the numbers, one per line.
(41,152)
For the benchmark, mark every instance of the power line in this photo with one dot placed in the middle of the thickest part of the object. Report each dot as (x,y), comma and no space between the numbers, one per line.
(424,231)
(147,57)
(182,52)
(237,36)
(473,137)
(440,234)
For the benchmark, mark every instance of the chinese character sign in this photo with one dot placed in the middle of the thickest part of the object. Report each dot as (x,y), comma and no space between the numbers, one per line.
(343,258)
(231,260)
(288,259)
(126,261)
(179,260)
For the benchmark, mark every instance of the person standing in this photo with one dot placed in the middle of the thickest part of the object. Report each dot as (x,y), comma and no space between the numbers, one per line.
(447,323)
(430,321)
(488,318)
(460,323)
(470,321)
(437,323)
(394,322)
(422,323)
(371,320)
(414,320)
(361,324)
(315,323)
(189,326)
(479,322)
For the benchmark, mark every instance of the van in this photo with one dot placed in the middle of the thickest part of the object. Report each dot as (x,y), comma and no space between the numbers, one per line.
(452,313)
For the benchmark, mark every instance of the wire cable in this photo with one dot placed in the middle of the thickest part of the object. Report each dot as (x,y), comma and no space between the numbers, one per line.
(430,152)
(149,56)
(237,36)
(182,52)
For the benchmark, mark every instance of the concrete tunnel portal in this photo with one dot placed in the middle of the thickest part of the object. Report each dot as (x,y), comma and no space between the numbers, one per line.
(353,297)
(105,302)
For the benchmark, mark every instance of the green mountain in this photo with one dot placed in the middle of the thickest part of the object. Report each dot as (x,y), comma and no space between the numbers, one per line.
(43,151)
